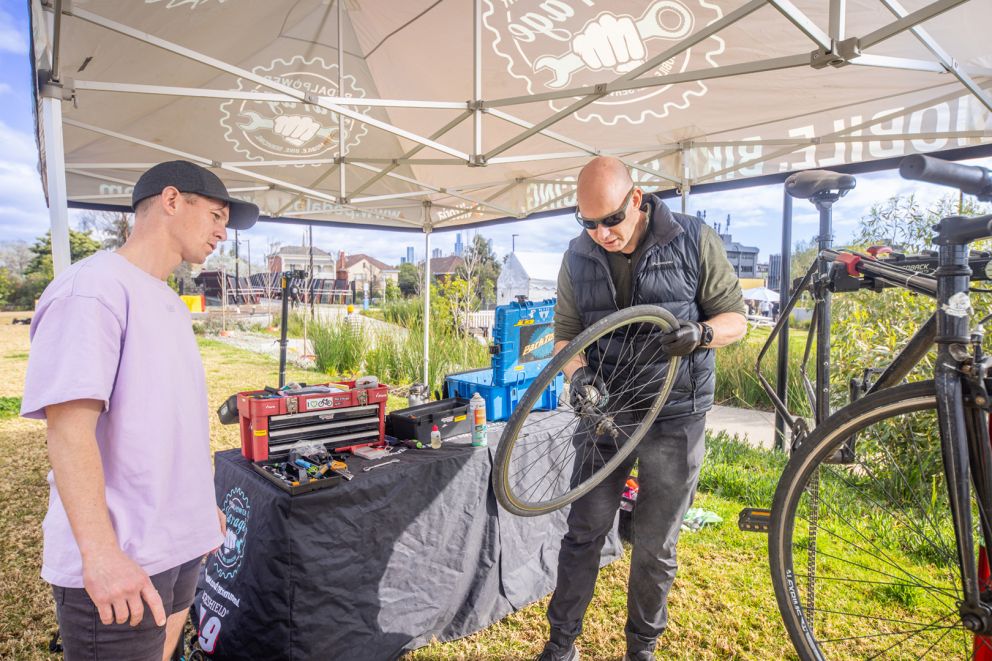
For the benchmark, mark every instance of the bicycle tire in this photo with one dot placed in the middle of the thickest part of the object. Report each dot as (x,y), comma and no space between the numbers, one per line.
(880,550)
(503,484)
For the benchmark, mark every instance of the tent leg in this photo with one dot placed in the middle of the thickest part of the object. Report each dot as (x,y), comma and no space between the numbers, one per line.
(781,387)
(58,209)
(427,301)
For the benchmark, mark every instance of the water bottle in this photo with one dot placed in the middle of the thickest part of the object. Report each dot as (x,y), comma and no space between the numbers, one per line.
(435,438)
(477,413)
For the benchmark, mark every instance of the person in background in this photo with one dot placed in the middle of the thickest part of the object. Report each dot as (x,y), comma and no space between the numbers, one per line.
(115,371)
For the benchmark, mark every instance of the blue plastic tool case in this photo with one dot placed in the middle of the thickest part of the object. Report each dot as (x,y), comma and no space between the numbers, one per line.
(523,343)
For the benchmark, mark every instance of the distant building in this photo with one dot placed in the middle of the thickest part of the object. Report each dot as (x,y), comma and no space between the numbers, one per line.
(289,258)
(362,269)
(445,268)
(743,258)
(436,253)
(775,272)
(409,254)
(459,246)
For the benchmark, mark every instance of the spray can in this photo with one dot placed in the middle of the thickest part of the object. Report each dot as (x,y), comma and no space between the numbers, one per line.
(477,411)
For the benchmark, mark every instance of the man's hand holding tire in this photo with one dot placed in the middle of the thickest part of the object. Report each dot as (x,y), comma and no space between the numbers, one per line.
(580,394)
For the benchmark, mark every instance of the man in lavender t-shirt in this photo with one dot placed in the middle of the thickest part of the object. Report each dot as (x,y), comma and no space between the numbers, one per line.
(115,370)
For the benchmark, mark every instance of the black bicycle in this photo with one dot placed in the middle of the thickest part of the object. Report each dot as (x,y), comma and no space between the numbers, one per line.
(881,517)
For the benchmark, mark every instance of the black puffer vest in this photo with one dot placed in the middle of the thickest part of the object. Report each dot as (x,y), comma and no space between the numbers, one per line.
(666,275)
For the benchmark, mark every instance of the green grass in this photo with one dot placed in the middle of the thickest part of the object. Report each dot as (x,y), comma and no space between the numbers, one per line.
(9,407)
(737,381)
(721,605)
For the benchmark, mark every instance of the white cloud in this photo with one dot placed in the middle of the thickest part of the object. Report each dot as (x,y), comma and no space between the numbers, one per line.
(13,39)
(23,213)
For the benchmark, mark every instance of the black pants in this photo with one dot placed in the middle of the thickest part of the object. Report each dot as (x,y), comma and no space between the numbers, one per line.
(85,638)
(668,471)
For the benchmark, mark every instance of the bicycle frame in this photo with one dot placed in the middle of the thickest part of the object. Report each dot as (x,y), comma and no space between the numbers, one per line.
(960,374)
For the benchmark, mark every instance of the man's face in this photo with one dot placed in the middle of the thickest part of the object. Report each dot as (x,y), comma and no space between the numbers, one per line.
(201,225)
(618,237)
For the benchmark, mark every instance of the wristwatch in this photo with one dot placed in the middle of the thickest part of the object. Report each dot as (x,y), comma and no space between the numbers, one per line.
(707,336)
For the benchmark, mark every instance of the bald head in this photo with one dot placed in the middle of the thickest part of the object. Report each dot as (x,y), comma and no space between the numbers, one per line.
(603,183)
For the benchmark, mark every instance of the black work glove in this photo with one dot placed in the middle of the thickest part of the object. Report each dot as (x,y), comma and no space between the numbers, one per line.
(683,340)
(578,392)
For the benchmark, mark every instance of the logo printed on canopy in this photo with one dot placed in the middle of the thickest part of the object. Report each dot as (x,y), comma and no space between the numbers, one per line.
(559,44)
(261,129)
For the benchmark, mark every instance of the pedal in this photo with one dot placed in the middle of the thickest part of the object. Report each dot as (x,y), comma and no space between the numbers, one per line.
(754,519)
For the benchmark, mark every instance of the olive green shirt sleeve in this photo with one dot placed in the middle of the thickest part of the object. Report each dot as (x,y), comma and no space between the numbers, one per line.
(568,324)
(719,288)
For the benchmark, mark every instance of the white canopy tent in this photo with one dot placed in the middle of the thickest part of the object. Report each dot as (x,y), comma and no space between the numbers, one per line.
(530,274)
(432,114)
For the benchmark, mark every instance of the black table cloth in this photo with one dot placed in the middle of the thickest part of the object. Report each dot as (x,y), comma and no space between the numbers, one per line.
(410,552)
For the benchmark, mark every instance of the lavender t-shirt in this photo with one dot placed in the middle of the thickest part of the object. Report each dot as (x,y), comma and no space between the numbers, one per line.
(107,330)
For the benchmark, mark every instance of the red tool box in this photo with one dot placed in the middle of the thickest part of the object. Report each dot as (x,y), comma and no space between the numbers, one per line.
(272,423)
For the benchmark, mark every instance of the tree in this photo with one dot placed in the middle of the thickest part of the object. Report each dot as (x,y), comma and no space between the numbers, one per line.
(392,290)
(409,280)
(480,269)
(81,245)
(15,257)
(111,227)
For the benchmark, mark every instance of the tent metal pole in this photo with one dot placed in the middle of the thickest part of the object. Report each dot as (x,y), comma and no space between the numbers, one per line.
(414,151)
(58,199)
(342,138)
(427,294)
(476,80)
(941,55)
(785,275)
(906,22)
(262,97)
(803,22)
(188,53)
(838,19)
(684,187)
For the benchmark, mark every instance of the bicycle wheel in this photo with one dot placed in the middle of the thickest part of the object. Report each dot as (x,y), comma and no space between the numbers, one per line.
(547,459)
(863,554)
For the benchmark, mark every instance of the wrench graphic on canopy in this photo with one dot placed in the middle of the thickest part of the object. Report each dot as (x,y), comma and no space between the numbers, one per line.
(652,24)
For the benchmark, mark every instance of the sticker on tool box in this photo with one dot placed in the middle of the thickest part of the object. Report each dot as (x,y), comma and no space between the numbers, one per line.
(326,402)
(537,342)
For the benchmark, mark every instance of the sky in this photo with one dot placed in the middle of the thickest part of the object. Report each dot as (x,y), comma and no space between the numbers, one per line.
(755,213)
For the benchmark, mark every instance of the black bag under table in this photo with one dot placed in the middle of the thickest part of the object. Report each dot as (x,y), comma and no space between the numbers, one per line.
(384,563)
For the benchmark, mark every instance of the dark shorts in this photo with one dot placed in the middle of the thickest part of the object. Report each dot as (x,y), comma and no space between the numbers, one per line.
(85,637)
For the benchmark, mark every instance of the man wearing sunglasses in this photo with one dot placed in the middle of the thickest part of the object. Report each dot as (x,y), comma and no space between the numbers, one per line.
(633,251)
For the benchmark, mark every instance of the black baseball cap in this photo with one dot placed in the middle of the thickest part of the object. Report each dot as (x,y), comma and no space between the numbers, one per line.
(189,177)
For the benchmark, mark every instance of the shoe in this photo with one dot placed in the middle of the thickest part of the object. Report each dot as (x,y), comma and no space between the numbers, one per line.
(643,655)
(554,652)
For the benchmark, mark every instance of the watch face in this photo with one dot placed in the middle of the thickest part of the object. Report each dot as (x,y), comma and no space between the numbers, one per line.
(707,334)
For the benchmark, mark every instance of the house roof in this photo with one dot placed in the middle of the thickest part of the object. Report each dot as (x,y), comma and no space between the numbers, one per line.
(351,260)
(443,265)
(285,251)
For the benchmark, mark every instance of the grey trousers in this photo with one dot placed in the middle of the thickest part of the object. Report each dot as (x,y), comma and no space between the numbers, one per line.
(668,471)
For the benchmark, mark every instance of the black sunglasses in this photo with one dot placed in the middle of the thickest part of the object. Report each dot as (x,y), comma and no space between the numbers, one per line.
(609,220)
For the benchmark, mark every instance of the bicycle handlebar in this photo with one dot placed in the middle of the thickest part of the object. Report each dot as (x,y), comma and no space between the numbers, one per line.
(969,179)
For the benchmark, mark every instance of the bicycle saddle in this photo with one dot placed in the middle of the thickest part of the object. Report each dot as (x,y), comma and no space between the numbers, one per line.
(807,184)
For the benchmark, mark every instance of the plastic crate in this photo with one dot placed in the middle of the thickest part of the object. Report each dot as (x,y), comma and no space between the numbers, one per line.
(501,399)
(523,340)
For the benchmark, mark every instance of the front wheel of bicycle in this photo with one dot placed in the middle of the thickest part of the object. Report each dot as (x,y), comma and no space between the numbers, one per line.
(863,554)
(546,459)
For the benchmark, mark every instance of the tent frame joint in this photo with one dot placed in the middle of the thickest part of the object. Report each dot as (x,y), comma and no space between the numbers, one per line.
(840,54)
(477,161)
(50,87)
